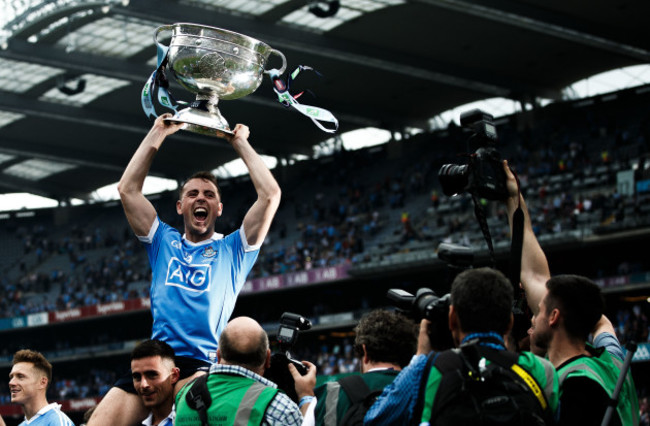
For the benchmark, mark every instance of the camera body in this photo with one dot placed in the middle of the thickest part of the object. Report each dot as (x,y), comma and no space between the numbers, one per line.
(483,175)
(426,305)
(290,326)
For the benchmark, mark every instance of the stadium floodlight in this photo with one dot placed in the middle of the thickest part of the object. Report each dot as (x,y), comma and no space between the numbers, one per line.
(19,16)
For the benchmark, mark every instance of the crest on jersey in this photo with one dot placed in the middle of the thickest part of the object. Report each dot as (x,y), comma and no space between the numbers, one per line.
(209,252)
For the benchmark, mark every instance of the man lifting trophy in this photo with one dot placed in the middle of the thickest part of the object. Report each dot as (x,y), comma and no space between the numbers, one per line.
(215,64)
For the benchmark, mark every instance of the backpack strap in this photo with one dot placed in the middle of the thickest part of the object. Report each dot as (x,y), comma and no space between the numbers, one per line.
(355,387)
(359,393)
(444,361)
(453,367)
(198,398)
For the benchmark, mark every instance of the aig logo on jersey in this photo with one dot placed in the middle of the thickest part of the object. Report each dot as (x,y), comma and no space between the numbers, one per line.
(187,276)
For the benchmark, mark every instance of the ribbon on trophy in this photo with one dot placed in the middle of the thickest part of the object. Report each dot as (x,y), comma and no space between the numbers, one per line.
(158,81)
(316,114)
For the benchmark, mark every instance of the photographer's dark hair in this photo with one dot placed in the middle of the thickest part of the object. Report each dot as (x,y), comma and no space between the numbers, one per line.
(482,299)
(205,175)
(388,336)
(149,348)
(579,301)
(252,359)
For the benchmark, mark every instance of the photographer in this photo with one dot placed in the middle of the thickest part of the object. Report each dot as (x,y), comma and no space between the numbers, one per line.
(479,316)
(235,391)
(385,342)
(566,309)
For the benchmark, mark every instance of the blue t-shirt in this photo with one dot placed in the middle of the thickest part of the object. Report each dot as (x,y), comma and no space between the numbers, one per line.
(194,287)
(50,415)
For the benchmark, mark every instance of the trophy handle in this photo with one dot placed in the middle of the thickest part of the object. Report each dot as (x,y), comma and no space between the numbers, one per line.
(284,62)
(158,31)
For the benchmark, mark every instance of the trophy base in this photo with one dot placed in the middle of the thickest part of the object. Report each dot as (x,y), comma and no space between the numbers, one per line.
(203,122)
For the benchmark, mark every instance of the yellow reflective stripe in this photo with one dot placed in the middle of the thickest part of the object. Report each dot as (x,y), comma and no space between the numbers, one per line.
(532,384)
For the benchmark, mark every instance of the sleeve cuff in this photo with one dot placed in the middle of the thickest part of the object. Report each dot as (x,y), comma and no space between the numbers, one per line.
(247,247)
(148,239)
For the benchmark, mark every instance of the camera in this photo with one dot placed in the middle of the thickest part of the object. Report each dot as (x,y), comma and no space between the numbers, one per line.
(483,175)
(426,305)
(290,326)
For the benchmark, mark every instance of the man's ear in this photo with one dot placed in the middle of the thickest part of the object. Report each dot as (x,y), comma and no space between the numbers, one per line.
(554,317)
(43,382)
(220,210)
(366,358)
(178,207)
(267,363)
(218,356)
(454,322)
(176,374)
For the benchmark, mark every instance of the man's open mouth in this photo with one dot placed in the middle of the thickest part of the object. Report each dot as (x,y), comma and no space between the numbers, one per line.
(200,213)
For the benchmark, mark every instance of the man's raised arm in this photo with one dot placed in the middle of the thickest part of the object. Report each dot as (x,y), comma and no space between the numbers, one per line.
(534,266)
(259,217)
(140,213)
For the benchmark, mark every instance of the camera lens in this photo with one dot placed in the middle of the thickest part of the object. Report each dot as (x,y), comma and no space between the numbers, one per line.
(453,178)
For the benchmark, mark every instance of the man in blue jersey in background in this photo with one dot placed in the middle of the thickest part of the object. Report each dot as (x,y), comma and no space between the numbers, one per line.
(30,376)
(195,276)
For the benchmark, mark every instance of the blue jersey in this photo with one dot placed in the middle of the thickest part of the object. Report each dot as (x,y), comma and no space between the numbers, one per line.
(50,415)
(167,421)
(194,287)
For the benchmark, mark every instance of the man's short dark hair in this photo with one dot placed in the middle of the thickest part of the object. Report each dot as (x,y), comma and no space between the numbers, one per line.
(205,175)
(482,298)
(388,336)
(37,359)
(579,301)
(251,360)
(150,347)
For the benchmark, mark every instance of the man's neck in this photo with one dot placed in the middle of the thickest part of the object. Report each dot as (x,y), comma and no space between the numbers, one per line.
(563,349)
(366,367)
(196,238)
(161,412)
(34,406)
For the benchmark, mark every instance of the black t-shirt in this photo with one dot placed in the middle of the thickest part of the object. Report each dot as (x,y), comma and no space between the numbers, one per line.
(584,402)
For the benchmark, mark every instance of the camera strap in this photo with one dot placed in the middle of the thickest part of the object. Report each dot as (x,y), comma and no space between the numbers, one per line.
(520,308)
(479,212)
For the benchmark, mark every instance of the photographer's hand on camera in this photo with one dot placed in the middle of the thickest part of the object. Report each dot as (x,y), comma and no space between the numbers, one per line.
(513,188)
(424,341)
(304,385)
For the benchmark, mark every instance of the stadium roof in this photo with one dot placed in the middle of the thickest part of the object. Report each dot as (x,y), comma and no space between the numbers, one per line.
(390,64)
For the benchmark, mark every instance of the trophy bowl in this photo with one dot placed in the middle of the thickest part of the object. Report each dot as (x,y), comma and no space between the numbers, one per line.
(214,64)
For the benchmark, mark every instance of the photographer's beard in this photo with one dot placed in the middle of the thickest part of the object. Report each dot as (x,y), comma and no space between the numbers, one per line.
(540,339)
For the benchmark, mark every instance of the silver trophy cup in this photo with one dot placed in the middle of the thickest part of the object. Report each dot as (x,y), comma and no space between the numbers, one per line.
(215,64)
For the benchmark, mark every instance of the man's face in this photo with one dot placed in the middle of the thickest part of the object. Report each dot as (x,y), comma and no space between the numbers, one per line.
(25,382)
(153,379)
(200,206)
(540,332)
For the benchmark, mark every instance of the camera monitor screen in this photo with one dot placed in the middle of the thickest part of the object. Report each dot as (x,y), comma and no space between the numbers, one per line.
(286,332)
